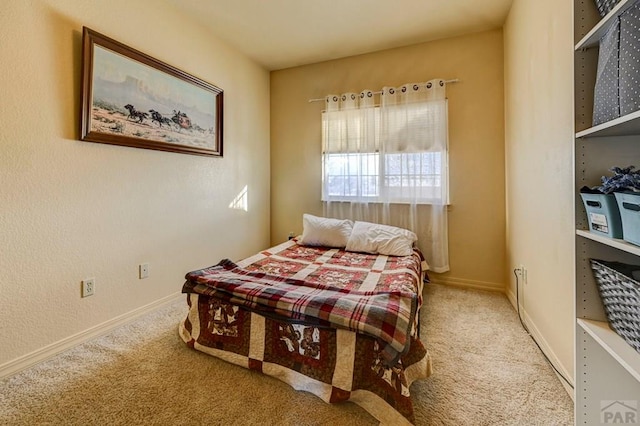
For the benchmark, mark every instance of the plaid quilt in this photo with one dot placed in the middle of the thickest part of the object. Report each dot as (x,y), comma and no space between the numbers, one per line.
(388,315)
(295,346)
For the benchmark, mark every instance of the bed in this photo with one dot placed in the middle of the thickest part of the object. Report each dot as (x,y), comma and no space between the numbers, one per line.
(342,325)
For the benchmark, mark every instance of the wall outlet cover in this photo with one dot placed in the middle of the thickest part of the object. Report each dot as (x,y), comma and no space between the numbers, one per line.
(88,287)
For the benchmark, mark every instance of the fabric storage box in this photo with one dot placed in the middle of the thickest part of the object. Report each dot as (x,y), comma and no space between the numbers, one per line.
(629,206)
(603,214)
(605,6)
(616,89)
(620,294)
(606,101)
(629,66)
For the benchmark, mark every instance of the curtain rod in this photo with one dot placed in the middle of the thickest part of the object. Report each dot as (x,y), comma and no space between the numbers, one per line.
(455,80)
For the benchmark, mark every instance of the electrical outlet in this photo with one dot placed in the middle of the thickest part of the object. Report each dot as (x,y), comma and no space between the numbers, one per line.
(88,287)
(143,270)
(522,270)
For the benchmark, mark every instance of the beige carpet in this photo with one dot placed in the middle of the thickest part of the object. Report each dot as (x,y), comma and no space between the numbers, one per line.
(487,371)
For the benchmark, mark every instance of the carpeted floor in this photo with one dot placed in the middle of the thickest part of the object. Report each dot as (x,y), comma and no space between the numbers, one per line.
(487,371)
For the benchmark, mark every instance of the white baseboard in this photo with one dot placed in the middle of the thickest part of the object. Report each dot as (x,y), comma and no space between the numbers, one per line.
(42,354)
(537,335)
(512,298)
(462,282)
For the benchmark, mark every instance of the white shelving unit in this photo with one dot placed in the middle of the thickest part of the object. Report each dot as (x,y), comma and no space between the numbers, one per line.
(611,242)
(629,125)
(607,368)
(624,354)
(592,38)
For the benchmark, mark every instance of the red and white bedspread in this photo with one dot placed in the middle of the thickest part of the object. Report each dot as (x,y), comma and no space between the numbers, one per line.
(341,325)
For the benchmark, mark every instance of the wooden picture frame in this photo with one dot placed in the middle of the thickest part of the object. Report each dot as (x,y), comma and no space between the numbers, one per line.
(132,99)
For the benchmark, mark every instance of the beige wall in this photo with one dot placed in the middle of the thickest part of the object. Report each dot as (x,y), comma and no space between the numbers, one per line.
(539,168)
(71,210)
(476,134)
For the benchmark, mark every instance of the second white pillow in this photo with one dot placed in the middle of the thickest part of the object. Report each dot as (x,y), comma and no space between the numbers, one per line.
(384,239)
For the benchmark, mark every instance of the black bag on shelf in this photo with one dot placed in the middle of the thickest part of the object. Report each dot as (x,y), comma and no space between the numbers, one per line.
(606,102)
(629,67)
(605,6)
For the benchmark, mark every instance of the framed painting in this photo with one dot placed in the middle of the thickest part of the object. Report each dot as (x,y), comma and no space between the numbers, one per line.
(132,99)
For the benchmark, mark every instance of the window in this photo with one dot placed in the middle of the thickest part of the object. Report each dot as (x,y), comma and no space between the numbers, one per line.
(357,168)
(388,163)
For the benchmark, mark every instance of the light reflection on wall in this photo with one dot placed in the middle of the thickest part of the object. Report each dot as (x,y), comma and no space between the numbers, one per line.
(240,202)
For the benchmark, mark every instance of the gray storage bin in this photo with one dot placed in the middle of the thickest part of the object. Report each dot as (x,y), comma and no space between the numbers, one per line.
(606,102)
(603,214)
(629,67)
(605,6)
(629,206)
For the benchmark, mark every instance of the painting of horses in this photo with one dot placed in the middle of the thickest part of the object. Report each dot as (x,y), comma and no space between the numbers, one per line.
(132,99)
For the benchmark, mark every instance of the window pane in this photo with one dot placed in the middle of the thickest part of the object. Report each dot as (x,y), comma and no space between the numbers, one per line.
(351,175)
(412,176)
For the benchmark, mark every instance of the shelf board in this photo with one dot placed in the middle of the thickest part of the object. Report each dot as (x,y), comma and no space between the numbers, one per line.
(593,37)
(615,345)
(612,242)
(622,126)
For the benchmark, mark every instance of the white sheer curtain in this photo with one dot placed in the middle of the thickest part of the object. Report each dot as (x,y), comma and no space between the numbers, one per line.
(389,163)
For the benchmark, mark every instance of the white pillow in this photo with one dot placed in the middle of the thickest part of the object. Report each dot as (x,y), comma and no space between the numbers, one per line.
(322,231)
(384,239)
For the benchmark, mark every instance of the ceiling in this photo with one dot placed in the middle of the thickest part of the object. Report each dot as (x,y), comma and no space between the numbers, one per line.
(285,33)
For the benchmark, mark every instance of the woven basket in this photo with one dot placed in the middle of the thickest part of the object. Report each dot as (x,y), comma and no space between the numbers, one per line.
(620,295)
(605,6)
